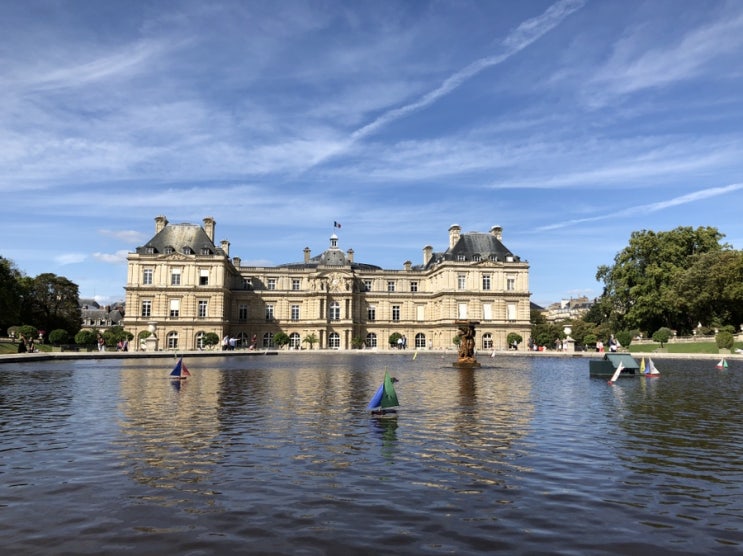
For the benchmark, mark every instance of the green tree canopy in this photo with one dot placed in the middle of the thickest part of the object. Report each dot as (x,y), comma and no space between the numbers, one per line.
(639,288)
(10,294)
(52,302)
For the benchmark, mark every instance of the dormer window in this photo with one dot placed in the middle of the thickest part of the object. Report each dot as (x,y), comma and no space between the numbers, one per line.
(187,251)
(205,251)
(149,250)
(461,258)
(477,258)
(169,251)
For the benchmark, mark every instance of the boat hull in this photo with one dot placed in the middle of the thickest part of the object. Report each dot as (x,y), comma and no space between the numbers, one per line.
(606,366)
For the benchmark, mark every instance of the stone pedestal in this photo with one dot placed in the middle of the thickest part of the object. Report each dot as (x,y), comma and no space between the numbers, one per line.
(150,343)
(568,345)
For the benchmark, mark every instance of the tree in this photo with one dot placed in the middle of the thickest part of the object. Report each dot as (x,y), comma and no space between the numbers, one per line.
(10,294)
(662,335)
(280,339)
(393,338)
(52,302)
(638,288)
(310,339)
(513,337)
(711,289)
(116,334)
(211,339)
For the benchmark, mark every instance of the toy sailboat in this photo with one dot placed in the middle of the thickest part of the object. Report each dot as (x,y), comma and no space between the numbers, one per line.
(180,372)
(384,398)
(616,374)
(650,371)
(722,364)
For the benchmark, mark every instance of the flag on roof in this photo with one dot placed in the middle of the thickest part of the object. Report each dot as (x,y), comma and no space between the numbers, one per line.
(336,224)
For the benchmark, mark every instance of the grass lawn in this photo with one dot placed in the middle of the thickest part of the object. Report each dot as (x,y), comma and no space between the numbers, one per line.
(696,347)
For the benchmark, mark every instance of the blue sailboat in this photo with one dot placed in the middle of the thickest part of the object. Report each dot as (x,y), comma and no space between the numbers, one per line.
(180,371)
(385,398)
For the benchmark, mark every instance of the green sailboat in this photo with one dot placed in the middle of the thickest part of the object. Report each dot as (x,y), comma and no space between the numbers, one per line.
(385,398)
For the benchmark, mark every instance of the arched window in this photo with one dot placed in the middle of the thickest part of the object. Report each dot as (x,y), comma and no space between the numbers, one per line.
(334,341)
(334,311)
(294,341)
(200,336)
(268,340)
(420,340)
(371,340)
(487,341)
(172,340)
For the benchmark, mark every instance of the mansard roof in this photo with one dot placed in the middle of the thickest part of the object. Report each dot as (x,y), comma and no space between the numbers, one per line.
(473,247)
(178,237)
(331,257)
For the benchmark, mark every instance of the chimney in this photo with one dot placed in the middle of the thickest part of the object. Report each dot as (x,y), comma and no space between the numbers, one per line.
(307,255)
(160,223)
(209,225)
(497,231)
(454,232)
(427,254)
(406,265)
(349,254)
(236,262)
(226,247)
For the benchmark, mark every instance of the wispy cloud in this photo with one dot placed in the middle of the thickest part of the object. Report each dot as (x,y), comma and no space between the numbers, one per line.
(650,207)
(112,258)
(70,258)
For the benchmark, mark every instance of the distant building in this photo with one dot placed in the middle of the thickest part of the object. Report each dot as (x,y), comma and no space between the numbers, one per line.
(568,309)
(95,317)
(181,285)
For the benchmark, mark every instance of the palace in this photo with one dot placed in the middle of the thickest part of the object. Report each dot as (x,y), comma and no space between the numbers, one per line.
(181,286)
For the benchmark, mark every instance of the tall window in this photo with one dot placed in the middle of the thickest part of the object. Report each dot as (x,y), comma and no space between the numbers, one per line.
(175,308)
(487,341)
(200,337)
(510,283)
(420,312)
(367,285)
(371,313)
(413,286)
(295,341)
(334,311)
(396,313)
(487,311)
(390,285)
(511,311)
(175,277)
(462,310)
(272,283)
(202,309)
(203,277)
(242,312)
(295,284)
(147,276)
(371,340)
(334,341)
(172,340)
(420,340)
(486,282)
(146,308)
(269,311)
(461,281)
(268,340)
(295,312)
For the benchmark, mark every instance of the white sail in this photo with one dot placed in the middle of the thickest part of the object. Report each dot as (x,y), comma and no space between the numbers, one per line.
(650,369)
(615,376)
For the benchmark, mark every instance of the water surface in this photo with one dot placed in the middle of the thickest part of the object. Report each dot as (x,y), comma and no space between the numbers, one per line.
(278,455)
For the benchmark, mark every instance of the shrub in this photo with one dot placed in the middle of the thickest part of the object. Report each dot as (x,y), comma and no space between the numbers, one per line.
(393,338)
(280,339)
(59,336)
(724,340)
(624,337)
(211,339)
(85,338)
(513,337)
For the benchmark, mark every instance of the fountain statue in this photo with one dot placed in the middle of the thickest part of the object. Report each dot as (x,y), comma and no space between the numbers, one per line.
(466,335)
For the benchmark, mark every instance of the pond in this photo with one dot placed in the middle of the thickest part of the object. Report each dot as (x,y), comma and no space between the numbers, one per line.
(279,455)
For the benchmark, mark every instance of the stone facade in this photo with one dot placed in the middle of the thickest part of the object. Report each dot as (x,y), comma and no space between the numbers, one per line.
(181,285)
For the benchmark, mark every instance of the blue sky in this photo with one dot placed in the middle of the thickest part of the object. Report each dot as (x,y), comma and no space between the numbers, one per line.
(569,123)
